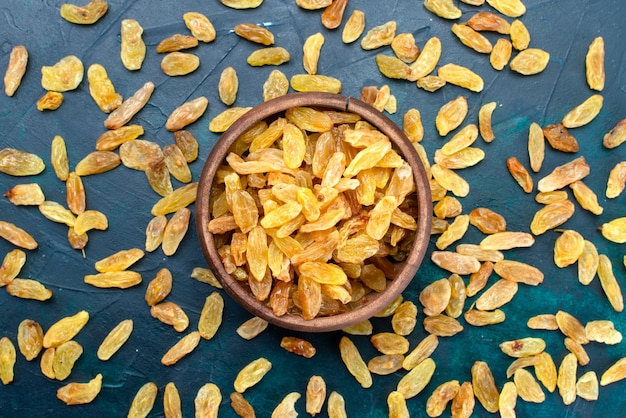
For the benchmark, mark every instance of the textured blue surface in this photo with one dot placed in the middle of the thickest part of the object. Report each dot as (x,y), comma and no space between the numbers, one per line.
(564,28)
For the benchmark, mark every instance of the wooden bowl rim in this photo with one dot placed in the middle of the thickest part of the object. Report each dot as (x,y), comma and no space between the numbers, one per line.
(377,301)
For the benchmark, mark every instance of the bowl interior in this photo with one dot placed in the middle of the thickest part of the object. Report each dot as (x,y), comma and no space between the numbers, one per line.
(405,270)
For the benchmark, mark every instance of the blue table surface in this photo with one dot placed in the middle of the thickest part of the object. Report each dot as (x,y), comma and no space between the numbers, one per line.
(564,28)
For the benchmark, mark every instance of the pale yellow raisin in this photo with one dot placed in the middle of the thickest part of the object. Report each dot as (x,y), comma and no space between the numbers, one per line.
(112,139)
(228,86)
(315,395)
(397,405)
(527,387)
(115,339)
(97,162)
(211,316)
(568,248)
(451,115)
(584,112)
(25,194)
(186,114)
(551,216)
(615,230)
(286,407)
(170,313)
(143,402)
(443,8)
(275,86)
(87,14)
(616,372)
(80,393)
(90,219)
(179,63)
(566,380)
(379,36)
(7,360)
(183,347)
(435,297)
(471,38)
(18,60)
(65,357)
(609,283)
(268,56)
(483,318)
(102,90)
(65,329)
(17,236)
(392,67)
(63,76)
(442,325)
(254,33)
(543,321)
(118,279)
(315,82)
(354,27)
(594,64)
(252,374)
(602,331)
(616,136)
(520,174)
(171,401)
(507,240)
(133,48)
(461,76)
(29,339)
(58,158)
(224,120)
(120,260)
(484,386)
(311,52)
(176,42)
(587,263)
(181,197)
(617,180)
(500,54)
(507,400)
(199,26)
(404,47)
(175,231)
(587,386)
(450,180)
(52,100)
(28,289)
(414,382)
(455,263)
(510,8)
(530,61)
(523,347)
(441,396)
(427,59)
(129,107)
(385,364)
(207,401)
(354,362)
(499,294)
(463,403)
(517,271)
(20,163)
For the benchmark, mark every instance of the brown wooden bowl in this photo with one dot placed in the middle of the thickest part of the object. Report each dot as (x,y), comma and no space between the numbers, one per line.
(406,270)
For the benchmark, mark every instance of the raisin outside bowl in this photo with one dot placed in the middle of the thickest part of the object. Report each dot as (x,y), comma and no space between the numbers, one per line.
(403,271)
